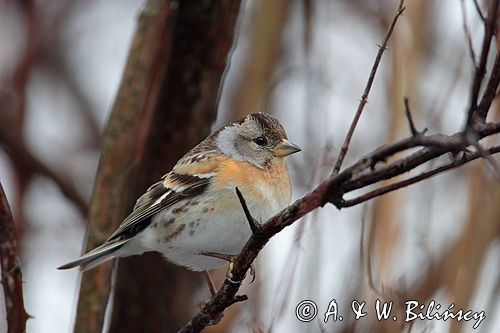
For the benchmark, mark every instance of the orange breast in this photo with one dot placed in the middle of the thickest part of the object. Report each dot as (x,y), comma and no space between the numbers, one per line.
(271,185)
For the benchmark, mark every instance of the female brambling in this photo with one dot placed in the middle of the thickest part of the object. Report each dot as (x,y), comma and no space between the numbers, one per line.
(194,209)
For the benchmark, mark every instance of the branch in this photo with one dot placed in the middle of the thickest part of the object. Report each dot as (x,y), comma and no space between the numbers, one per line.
(360,175)
(424,175)
(491,89)
(11,277)
(411,124)
(370,169)
(364,97)
(442,144)
(490,161)
(254,224)
(18,151)
(481,69)
(479,11)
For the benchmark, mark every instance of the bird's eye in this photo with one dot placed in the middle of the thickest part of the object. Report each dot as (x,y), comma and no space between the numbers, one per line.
(261,141)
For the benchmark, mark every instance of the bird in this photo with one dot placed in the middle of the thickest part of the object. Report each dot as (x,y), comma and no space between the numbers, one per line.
(192,215)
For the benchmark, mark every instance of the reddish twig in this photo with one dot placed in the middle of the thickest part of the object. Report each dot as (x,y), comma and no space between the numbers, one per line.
(12,281)
(364,97)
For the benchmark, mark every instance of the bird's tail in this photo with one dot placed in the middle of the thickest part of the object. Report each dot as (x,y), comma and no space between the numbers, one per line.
(97,256)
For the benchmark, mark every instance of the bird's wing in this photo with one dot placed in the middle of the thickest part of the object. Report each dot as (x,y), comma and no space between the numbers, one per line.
(190,177)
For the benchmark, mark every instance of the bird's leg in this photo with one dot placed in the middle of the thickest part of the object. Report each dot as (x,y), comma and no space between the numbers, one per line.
(210,282)
(229,258)
(211,287)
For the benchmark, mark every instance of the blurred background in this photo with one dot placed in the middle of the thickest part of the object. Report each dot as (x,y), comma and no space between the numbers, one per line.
(307,62)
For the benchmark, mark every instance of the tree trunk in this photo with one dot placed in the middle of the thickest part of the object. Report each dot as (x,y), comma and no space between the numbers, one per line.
(11,278)
(165,105)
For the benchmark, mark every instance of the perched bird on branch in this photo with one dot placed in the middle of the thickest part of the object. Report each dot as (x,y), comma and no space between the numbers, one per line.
(192,215)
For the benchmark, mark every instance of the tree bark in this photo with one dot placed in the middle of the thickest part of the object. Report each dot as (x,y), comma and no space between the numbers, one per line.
(165,105)
(11,278)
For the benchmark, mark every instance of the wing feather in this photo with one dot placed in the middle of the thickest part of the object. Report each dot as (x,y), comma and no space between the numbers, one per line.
(190,177)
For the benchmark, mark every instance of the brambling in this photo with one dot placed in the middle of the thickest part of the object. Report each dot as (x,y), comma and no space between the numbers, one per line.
(194,210)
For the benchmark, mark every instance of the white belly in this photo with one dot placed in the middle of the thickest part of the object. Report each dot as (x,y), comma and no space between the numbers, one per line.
(216,225)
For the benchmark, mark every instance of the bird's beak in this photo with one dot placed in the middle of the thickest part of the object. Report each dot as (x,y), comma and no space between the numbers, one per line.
(285,148)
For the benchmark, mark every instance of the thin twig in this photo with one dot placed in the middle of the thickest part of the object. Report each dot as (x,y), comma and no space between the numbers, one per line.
(364,97)
(481,67)
(424,175)
(411,124)
(479,11)
(467,33)
(491,89)
(358,178)
(254,224)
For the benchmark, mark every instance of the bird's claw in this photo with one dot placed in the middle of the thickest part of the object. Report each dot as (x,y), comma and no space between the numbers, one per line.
(231,258)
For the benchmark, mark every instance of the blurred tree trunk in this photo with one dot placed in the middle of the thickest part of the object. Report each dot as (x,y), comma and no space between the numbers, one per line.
(466,261)
(268,21)
(387,210)
(405,74)
(11,277)
(165,105)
